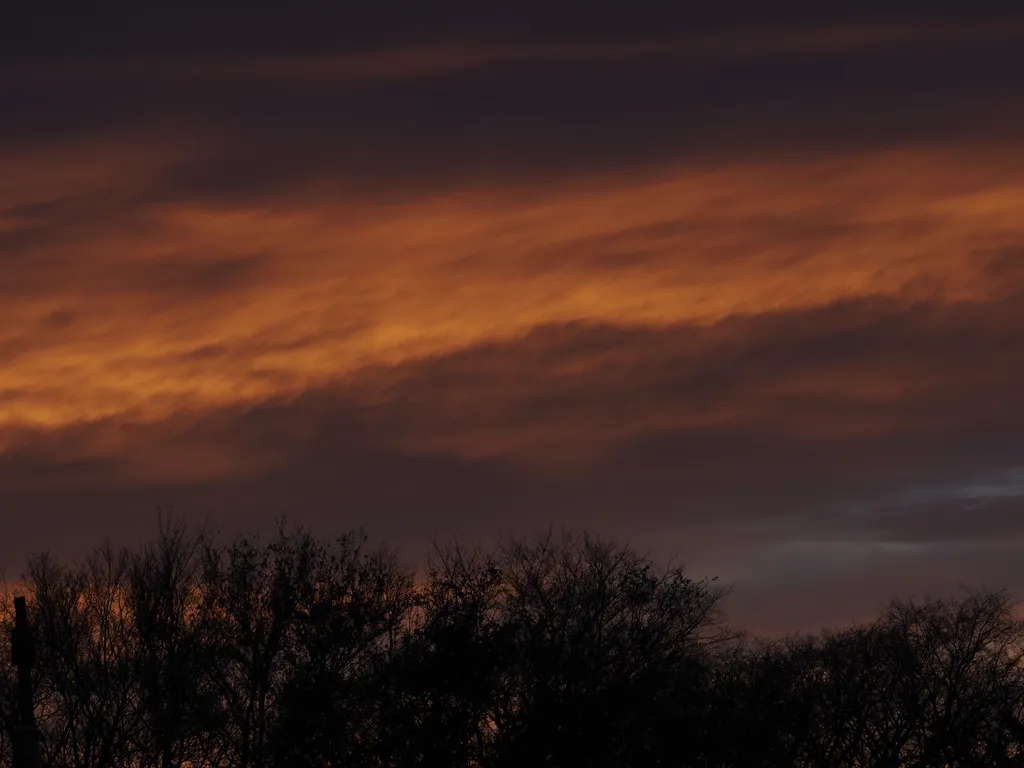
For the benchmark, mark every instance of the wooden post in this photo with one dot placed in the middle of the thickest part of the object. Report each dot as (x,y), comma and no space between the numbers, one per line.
(23,655)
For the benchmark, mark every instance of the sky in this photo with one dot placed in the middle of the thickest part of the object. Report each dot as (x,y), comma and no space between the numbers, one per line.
(742,286)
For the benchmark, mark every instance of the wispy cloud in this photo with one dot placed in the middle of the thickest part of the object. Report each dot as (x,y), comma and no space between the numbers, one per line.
(299,296)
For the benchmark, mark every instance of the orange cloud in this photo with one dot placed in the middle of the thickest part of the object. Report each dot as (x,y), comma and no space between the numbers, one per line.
(117,305)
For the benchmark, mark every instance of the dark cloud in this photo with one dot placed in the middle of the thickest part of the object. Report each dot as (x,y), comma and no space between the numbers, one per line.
(1005,266)
(185,274)
(195,27)
(529,114)
(828,585)
(874,364)
(59,318)
(33,252)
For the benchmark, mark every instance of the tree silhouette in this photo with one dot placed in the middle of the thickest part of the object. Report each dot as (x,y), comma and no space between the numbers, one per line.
(87,669)
(600,640)
(556,651)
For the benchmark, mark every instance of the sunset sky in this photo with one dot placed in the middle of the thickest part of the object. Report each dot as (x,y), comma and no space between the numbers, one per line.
(740,286)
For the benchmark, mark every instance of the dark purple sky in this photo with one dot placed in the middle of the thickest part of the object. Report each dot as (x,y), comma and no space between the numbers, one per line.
(741,287)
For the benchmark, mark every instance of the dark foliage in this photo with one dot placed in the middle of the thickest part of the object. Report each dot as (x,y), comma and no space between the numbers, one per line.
(567,651)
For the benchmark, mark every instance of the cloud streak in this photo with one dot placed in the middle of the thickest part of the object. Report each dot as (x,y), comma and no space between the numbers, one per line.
(163,305)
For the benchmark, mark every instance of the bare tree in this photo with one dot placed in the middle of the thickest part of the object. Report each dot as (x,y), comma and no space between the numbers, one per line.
(450,663)
(300,651)
(86,675)
(349,612)
(603,639)
(177,698)
(970,692)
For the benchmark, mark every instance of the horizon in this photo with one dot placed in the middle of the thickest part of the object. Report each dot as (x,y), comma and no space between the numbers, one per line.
(416,565)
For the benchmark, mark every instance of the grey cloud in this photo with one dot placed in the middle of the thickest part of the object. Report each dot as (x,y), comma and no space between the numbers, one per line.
(526,118)
(799,594)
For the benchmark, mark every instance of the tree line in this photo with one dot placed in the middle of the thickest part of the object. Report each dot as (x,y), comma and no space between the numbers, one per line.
(557,651)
